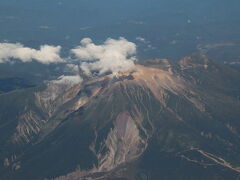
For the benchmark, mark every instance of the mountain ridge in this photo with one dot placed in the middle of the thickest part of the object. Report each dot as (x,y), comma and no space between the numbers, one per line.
(182,113)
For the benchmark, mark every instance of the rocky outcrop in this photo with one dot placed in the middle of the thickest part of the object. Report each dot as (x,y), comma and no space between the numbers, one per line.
(55,95)
(123,144)
(29,125)
(46,104)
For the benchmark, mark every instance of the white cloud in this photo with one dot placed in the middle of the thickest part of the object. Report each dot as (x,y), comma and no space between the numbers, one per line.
(115,55)
(146,42)
(141,39)
(68,80)
(46,54)
(72,68)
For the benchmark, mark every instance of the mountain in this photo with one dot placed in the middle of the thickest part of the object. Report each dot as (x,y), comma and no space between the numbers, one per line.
(164,120)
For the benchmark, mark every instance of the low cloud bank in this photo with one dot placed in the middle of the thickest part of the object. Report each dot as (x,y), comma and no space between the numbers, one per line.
(115,55)
(46,54)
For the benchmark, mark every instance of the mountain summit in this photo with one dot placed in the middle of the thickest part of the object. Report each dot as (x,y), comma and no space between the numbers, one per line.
(163,120)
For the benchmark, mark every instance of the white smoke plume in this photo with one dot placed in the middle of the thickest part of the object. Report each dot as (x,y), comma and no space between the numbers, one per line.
(115,55)
(46,54)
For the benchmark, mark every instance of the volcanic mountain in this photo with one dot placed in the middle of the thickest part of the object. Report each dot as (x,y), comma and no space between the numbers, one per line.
(163,120)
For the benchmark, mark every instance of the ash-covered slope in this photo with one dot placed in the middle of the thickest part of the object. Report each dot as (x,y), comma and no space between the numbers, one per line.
(162,121)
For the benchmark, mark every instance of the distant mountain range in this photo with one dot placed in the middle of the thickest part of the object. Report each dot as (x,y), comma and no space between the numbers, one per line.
(165,120)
